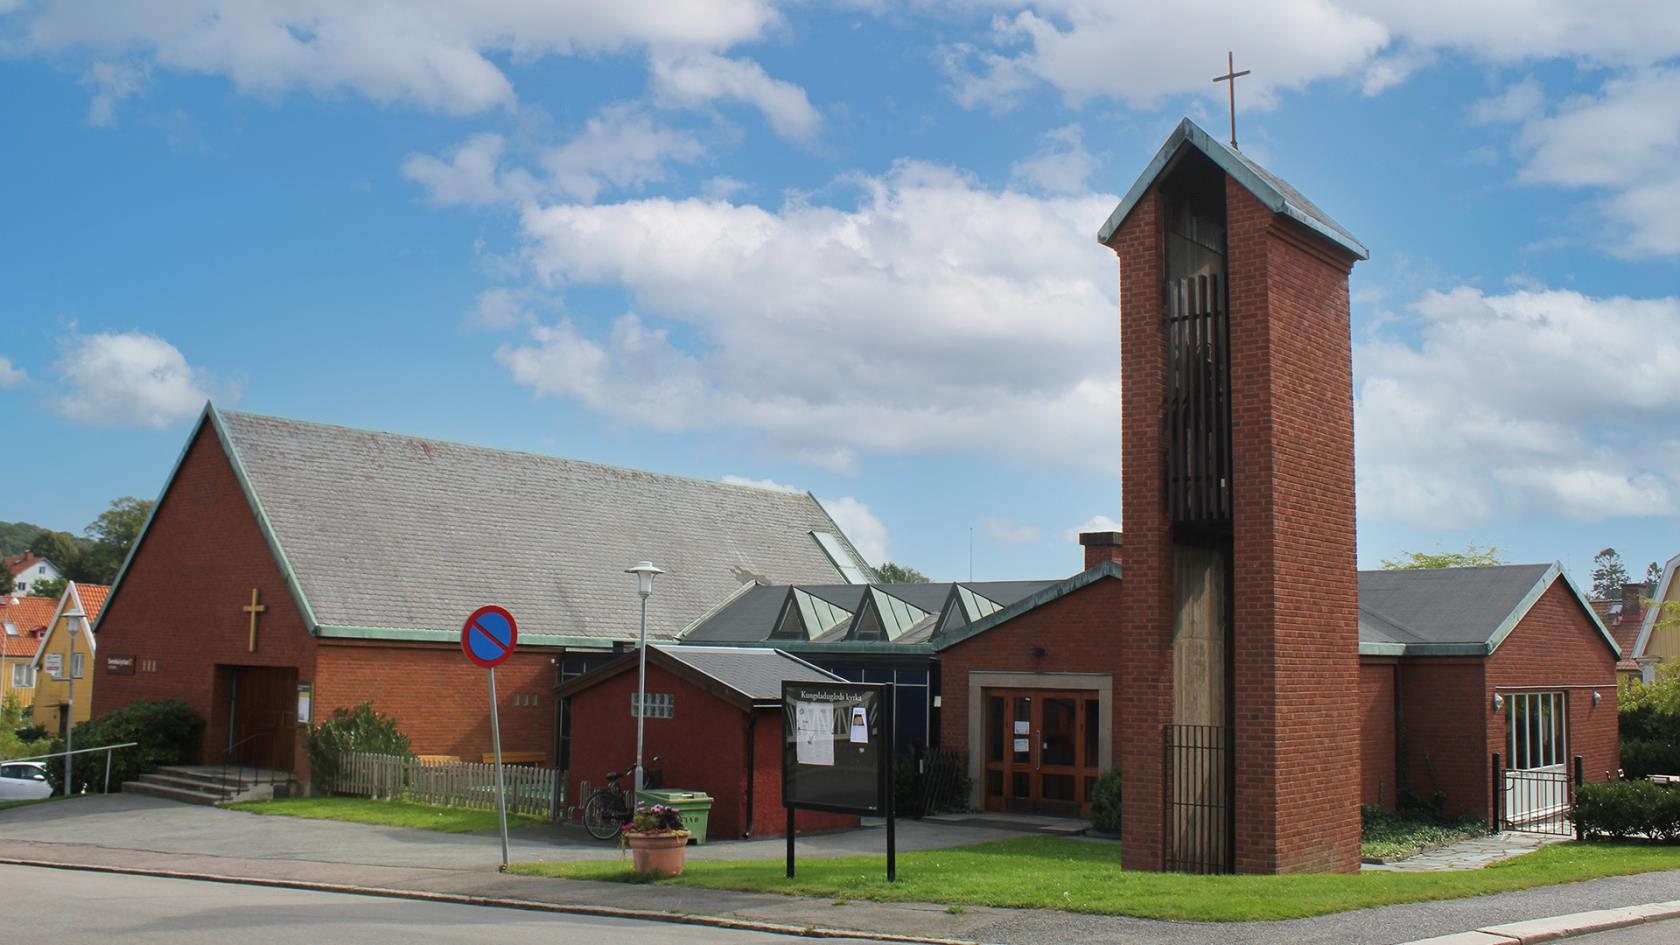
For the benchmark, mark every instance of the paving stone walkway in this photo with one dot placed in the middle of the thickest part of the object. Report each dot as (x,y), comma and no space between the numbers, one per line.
(1471,853)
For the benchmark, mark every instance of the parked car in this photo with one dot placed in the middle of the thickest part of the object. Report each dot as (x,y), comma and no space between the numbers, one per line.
(23,781)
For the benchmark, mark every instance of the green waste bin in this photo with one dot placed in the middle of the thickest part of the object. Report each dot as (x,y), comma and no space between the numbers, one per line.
(695,807)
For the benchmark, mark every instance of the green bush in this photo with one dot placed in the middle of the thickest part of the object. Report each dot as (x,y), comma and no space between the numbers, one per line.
(1649,715)
(1105,802)
(1621,809)
(358,729)
(169,733)
(1642,757)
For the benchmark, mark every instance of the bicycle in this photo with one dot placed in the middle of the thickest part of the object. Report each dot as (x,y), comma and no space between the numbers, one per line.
(608,809)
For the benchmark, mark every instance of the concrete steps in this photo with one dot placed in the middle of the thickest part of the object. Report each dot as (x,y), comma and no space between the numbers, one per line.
(200,785)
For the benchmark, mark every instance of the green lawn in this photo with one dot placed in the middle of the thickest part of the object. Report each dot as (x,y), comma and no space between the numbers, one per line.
(362,810)
(8,805)
(1085,876)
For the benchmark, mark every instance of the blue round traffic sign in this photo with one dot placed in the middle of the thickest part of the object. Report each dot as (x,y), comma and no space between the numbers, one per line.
(488,636)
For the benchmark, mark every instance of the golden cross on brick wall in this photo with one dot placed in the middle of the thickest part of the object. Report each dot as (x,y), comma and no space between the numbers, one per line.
(1232,75)
(254,608)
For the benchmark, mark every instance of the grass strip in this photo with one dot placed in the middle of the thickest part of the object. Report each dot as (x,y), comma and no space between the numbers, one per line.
(362,810)
(1085,876)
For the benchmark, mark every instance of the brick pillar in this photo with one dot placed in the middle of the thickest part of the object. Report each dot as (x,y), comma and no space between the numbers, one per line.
(1143,690)
(1296,626)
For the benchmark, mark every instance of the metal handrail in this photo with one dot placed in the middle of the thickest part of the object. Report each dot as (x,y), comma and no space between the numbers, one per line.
(108,749)
(274,776)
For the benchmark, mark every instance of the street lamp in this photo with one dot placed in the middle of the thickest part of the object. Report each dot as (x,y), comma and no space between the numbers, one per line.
(645,573)
(74,618)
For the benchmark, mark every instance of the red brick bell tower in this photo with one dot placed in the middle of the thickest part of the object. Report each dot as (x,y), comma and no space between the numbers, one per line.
(1239,651)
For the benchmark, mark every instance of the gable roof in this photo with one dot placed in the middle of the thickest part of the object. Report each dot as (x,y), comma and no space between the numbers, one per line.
(368,528)
(1454,611)
(92,603)
(1268,188)
(746,676)
(18,564)
(27,614)
(1667,590)
(829,616)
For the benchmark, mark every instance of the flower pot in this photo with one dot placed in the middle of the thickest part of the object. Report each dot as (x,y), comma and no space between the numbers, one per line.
(658,854)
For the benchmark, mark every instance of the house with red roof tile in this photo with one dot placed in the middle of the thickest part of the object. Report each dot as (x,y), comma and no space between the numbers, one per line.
(27,569)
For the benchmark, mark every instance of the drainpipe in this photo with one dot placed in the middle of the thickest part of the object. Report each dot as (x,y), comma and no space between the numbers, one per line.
(752,766)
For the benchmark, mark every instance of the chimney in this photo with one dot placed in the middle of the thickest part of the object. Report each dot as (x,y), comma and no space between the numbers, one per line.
(1100,547)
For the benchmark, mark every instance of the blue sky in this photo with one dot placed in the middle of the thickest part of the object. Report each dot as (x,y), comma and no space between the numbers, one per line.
(844,248)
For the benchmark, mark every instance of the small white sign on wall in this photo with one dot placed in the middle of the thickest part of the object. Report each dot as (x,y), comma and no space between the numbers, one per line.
(813,724)
(53,664)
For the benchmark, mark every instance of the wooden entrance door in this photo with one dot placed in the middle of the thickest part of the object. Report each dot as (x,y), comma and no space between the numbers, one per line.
(264,716)
(1041,750)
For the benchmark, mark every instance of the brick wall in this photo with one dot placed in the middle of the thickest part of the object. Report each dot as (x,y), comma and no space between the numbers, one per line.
(439,699)
(1444,748)
(1556,647)
(1376,732)
(703,746)
(1143,697)
(1080,633)
(1296,577)
(179,606)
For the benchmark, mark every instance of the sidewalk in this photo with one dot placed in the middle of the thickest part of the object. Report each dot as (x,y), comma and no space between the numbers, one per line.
(463,867)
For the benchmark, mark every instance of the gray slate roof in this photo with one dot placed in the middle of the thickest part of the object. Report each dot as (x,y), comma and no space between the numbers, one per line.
(1453,611)
(396,532)
(753,671)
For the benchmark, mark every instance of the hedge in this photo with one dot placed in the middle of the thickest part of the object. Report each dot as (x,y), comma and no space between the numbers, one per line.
(168,732)
(1629,809)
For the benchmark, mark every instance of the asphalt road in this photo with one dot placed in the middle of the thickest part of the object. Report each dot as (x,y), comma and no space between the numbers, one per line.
(63,906)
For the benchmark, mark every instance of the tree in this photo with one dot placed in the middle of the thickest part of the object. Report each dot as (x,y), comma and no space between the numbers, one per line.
(8,580)
(1608,575)
(48,587)
(1653,574)
(60,548)
(1471,557)
(113,534)
(891,573)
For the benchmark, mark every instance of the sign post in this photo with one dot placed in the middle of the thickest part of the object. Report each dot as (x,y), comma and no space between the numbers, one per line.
(837,754)
(488,638)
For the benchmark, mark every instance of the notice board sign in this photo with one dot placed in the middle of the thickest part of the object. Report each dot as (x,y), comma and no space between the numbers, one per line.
(836,748)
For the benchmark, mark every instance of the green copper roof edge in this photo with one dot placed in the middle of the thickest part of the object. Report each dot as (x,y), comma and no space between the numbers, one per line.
(292,583)
(429,635)
(140,537)
(1423,649)
(1032,602)
(1188,132)
(1533,596)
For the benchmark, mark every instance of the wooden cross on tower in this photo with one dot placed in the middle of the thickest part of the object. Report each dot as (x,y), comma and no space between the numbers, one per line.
(1232,75)
(254,608)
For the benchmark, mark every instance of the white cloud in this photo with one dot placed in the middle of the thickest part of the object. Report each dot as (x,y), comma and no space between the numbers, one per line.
(502,307)
(128,379)
(1063,166)
(1139,52)
(1096,523)
(432,53)
(933,315)
(619,148)
(1622,143)
(10,374)
(1519,102)
(735,480)
(111,82)
(699,79)
(867,533)
(1007,531)
(1536,402)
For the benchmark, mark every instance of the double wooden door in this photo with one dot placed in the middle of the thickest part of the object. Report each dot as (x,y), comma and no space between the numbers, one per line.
(1041,750)
(262,723)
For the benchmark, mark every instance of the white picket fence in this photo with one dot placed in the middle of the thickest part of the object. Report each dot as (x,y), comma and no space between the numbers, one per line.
(530,790)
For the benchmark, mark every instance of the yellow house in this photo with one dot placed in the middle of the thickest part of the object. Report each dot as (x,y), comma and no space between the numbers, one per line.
(64,661)
(1659,635)
(23,621)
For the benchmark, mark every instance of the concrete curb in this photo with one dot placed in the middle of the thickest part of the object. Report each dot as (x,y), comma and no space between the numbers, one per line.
(1559,926)
(531,905)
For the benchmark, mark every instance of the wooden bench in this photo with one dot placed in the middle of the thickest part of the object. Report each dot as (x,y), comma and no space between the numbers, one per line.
(430,760)
(517,757)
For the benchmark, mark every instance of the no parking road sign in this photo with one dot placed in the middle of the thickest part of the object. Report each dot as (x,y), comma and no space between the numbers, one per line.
(488,636)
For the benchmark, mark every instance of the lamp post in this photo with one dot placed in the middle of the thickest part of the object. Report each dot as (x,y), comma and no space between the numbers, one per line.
(73,619)
(645,573)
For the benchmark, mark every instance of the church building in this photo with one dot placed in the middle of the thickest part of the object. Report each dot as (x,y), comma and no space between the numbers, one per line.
(333,566)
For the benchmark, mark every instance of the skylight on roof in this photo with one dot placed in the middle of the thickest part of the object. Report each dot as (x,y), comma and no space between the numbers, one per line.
(848,566)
